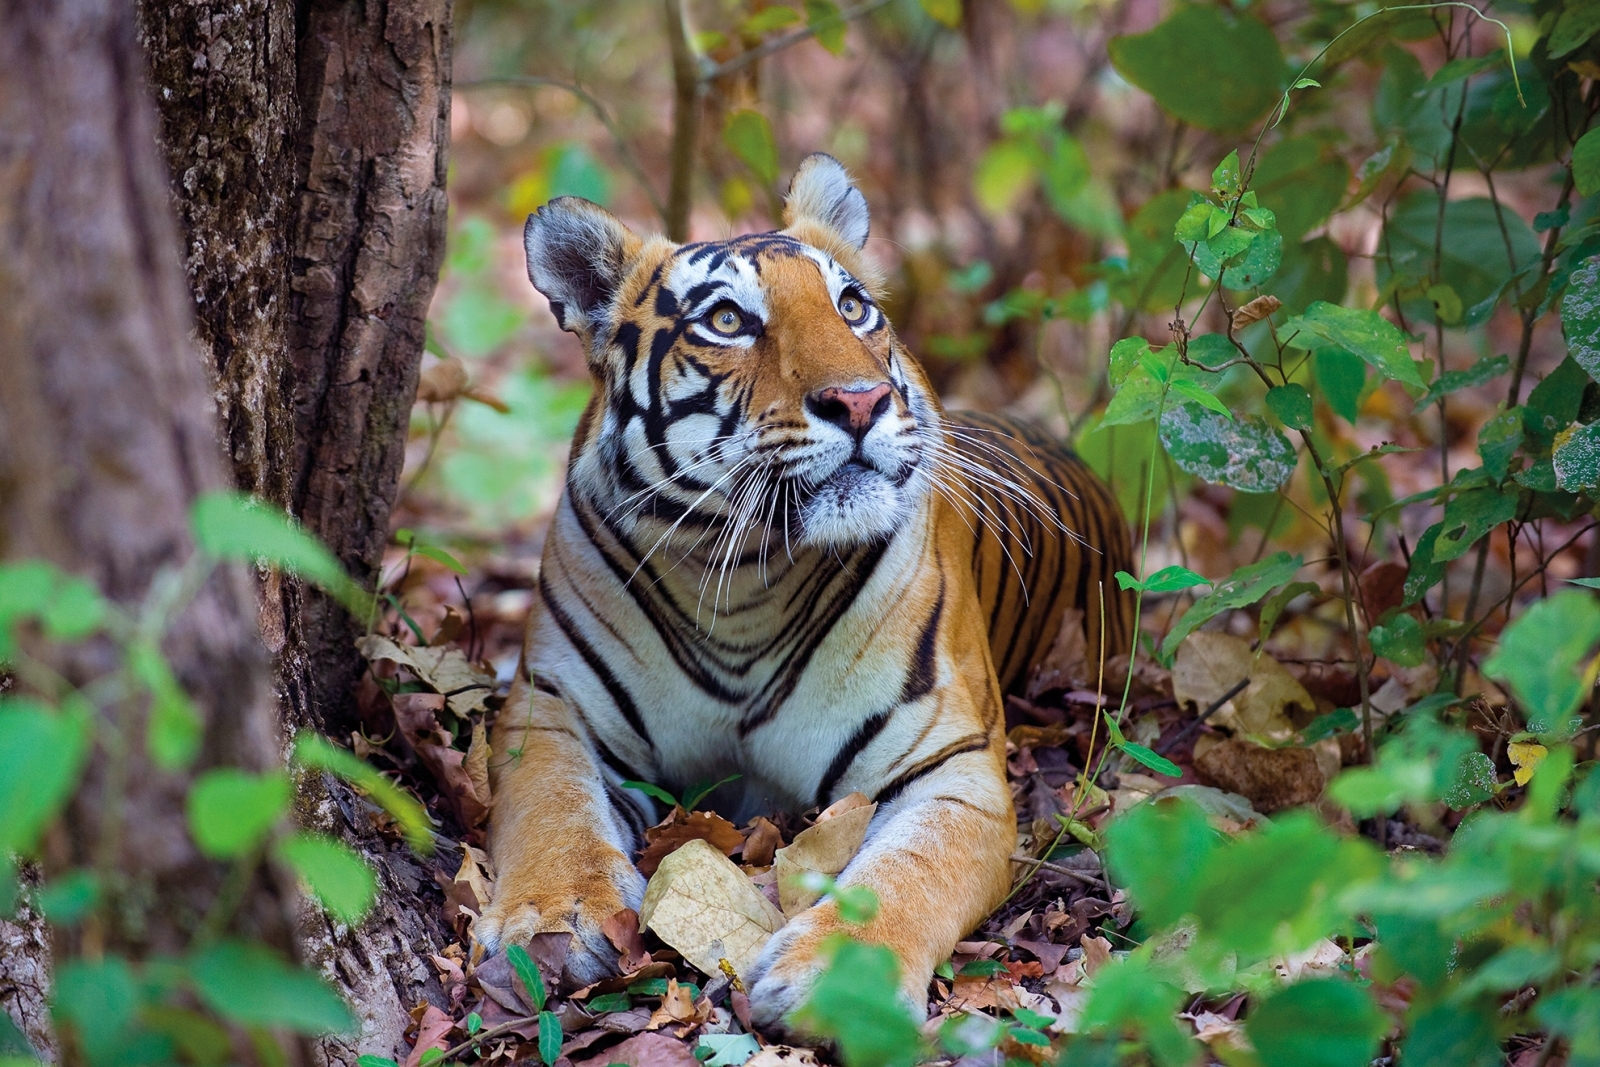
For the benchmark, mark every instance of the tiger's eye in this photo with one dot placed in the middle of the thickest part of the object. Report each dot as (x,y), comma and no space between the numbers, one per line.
(851,307)
(726,320)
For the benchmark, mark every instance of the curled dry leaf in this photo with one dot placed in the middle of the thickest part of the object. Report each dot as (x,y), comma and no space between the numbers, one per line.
(678,1008)
(844,806)
(678,828)
(1209,664)
(622,930)
(1320,960)
(828,847)
(444,670)
(701,904)
(433,1031)
(442,382)
(762,839)
(645,1050)
(1096,953)
(1255,311)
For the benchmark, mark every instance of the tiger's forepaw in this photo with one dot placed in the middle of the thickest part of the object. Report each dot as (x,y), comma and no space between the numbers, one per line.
(783,978)
(515,918)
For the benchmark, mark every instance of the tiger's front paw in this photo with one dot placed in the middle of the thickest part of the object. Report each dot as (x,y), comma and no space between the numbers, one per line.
(561,902)
(786,973)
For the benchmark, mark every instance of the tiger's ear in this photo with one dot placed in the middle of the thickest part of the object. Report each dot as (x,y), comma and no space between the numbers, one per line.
(821,192)
(578,254)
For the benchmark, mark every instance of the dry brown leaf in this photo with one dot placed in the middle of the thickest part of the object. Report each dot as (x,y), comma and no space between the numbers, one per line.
(433,1031)
(701,904)
(677,1006)
(828,847)
(442,382)
(1320,960)
(444,670)
(1096,953)
(1383,586)
(645,1050)
(1066,663)
(844,805)
(622,930)
(1270,778)
(762,839)
(679,828)
(1209,664)
(1255,311)
(975,993)
(477,764)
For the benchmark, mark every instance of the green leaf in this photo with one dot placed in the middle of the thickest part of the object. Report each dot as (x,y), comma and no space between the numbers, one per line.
(231,811)
(1005,173)
(549,1038)
(314,752)
(1244,586)
(1586,160)
(826,24)
(1309,271)
(1474,257)
(1244,453)
(1136,400)
(1187,388)
(41,756)
(1463,67)
(1474,783)
(1126,356)
(749,134)
(1400,641)
(1541,655)
(69,897)
(97,999)
(768,19)
(1554,403)
(1580,311)
(1498,441)
(528,971)
(250,984)
(1225,180)
(1302,179)
(1138,995)
(1468,517)
(1481,373)
(1291,403)
(732,1050)
(1205,67)
(1579,21)
(700,790)
(1448,1036)
(947,12)
(1148,757)
(1424,573)
(173,731)
(1274,605)
(1359,331)
(234,526)
(608,1002)
(1342,377)
(1144,847)
(338,877)
(856,1002)
(1319,1023)
(1167,580)
(370,1060)
(982,969)
(652,791)
(439,555)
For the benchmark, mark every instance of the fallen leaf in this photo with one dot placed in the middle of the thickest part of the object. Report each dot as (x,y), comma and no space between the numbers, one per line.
(1320,960)
(762,839)
(1270,778)
(677,1006)
(645,1050)
(476,764)
(442,382)
(1210,1028)
(1096,953)
(1255,311)
(844,806)
(1066,663)
(1383,586)
(1210,664)
(622,930)
(433,1031)
(974,993)
(442,669)
(1525,757)
(679,828)
(828,847)
(783,1056)
(1048,953)
(701,904)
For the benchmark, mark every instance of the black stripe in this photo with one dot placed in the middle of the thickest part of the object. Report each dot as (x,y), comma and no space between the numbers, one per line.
(923,671)
(847,754)
(928,766)
(618,692)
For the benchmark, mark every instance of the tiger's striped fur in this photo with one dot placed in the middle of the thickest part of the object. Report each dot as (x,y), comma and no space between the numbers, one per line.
(778,557)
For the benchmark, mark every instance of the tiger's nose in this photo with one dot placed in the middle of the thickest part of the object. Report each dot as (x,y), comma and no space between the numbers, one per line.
(852,410)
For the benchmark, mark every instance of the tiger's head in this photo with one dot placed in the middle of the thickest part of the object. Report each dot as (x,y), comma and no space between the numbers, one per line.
(751,384)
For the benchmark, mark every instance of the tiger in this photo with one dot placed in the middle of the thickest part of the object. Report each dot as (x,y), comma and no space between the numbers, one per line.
(777,557)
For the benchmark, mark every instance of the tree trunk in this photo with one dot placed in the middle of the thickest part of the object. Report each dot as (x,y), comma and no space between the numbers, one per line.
(307,145)
(107,434)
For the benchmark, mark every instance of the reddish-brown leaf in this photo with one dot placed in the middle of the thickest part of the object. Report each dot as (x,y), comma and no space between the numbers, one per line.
(678,830)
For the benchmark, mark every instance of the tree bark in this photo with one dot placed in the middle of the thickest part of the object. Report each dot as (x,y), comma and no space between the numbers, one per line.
(307,145)
(107,434)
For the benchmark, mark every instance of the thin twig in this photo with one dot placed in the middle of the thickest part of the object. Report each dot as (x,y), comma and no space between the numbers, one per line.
(1176,739)
(1056,868)
(718,70)
(484,1035)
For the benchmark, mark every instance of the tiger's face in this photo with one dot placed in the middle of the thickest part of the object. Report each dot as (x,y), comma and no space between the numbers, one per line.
(750,391)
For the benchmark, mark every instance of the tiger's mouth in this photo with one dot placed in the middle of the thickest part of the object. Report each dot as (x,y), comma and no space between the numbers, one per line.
(857,503)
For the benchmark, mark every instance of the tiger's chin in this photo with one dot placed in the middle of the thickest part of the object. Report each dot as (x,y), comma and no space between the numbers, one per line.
(856,505)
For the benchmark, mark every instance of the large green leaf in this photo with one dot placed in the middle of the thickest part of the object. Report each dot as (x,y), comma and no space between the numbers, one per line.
(749,134)
(316,753)
(337,876)
(1579,21)
(1143,848)
(1302,180)
(856,1001)
(98,999)
(1586,160)
(1205,67)
(235,526)
(41,754)
(1321,1023)
(1244,452)
(1580,314)
(231,811)
(1541,656)
(250,984)
(1342,377)
(1156,263)
(1308,271)
(1476,258)
(1577,457)
(1469,516)
(1448,1035)
(1356,330)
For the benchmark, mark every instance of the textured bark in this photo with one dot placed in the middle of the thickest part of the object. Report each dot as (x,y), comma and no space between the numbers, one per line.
(307,144)
(368,242)
(107,434)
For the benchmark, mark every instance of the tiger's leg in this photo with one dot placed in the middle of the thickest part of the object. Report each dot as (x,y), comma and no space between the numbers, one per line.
(938,858)
(559,838)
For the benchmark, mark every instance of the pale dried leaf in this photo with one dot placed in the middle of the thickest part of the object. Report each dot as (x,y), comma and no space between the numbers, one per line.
(701,904)
(1320,960)
(1209,664)
(678,828)
(1255,311)
(444,670)
(1096,953)
(442,382)
(827,847)
(433,1031)
(477,763)
(844,805)
(762,840)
